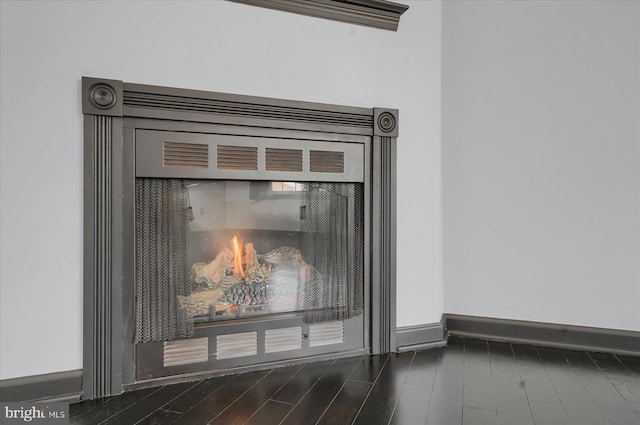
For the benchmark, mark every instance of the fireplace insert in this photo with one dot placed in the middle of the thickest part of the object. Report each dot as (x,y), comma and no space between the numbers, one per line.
(234,271)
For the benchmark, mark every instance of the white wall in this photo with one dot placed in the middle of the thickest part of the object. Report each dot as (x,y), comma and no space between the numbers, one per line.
(218,46)
(541,134)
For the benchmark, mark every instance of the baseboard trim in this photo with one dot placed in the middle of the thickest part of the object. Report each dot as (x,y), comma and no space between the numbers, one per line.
(57,386)
(545,334)
(421,337)
(67,386)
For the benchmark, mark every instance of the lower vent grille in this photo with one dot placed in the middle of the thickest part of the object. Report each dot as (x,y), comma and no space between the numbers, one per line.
(237,345)
(326,333)
(237,158)
(326,161)
(284,339)
(185,351)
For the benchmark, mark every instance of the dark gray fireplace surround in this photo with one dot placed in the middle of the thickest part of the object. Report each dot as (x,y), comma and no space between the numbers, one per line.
(127,129)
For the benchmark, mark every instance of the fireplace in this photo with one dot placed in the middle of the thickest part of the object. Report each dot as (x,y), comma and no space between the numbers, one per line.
(225,233)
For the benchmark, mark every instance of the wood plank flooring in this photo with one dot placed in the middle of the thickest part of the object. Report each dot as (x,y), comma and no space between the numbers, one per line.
(468,382)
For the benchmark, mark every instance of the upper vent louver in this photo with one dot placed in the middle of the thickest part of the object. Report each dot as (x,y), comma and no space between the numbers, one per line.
(326,161)
(185,155)
(237,158)
(165,154)
(283,159)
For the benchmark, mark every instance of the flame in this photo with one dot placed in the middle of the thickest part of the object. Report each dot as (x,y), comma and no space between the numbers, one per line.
(237,257)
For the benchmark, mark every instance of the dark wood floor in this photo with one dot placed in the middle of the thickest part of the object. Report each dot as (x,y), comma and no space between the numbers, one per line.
(467,382)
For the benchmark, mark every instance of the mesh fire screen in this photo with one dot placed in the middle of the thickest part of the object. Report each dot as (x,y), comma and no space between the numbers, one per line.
(162,269)
(332,238)
(219,250)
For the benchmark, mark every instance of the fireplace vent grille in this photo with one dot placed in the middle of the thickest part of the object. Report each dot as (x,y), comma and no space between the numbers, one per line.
(163,154)
(237,345)
(237,158)
(284,339)
(185,351)
(326,333)
(185,155)
(283,159)
(326,161)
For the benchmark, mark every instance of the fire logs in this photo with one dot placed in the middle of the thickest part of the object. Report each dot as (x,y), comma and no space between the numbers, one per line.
(211,274)
(198,303)
(285,256)
(253,273)
(242,277)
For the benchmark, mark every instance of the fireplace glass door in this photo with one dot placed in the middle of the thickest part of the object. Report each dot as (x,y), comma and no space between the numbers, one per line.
(218,250)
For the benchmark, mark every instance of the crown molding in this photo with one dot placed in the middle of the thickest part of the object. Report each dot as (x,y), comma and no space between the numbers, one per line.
(380,14)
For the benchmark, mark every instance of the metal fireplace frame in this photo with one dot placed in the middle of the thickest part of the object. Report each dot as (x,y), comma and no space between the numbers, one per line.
(114,110)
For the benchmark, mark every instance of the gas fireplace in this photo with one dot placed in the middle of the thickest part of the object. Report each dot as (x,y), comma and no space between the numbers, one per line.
(226,232)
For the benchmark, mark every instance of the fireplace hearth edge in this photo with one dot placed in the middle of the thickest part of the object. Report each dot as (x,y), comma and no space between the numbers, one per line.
(113,114)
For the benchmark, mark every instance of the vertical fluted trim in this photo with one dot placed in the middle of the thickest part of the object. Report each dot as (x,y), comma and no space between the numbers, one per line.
(384,244)
(98,259)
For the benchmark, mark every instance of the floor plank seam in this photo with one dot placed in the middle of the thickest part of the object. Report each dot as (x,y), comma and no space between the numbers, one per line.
(307,392)
(607,374)
(130,406)
(464,355)
(435,378)
(433,386)
(404,385)
(522,381)
(256,412)
(553,384)
(179,395)
(359,381)
(166,410)
(331,402)
(373,384)
(225,382)
(240,396)
(286,382)
(395,405)
(280,401)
